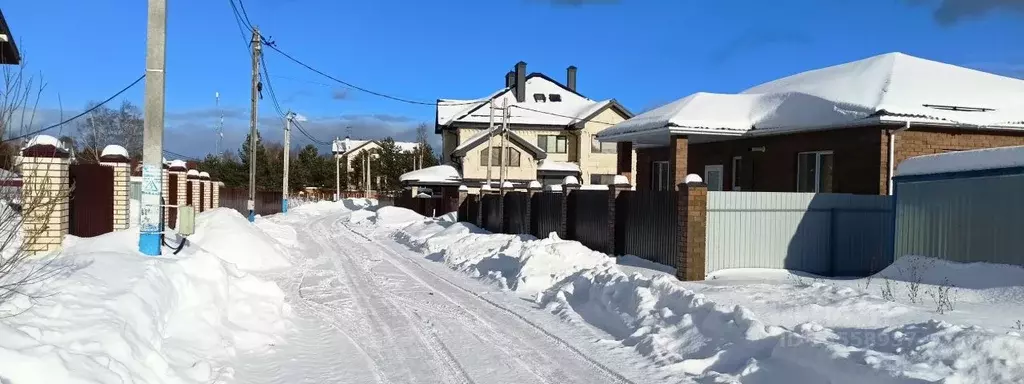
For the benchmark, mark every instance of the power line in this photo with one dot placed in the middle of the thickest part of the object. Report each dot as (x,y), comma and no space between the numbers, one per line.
(559,115)
(280,111)
(242,6)
(273,46)
(123,90)
(180,156)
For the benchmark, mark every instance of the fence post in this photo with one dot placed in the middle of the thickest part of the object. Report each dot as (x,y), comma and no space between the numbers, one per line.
(614,241)
(566,228)
(204,178)
(692,203)
(484,190)
(116,157)
(45,194)
(502,190)
(215,186)
(193,177)
(531,189)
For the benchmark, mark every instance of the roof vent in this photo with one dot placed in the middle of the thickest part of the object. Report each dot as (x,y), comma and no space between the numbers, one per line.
(958,108)
(539,97)
(554,97)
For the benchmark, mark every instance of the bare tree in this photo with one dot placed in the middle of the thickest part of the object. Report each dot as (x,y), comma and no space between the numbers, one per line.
(103,126)
(22,274)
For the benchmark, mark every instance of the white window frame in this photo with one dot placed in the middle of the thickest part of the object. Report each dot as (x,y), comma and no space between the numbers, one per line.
(661,182)
(736,175)
(721,175)
(817,168)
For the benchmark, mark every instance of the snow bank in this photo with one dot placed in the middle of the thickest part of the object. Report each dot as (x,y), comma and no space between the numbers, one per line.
(115,316)
(685,333)
(225,233)
(979,159)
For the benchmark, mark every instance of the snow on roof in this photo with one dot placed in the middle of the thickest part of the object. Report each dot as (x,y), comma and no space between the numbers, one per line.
(177,164)
(347,145)
(114,150)
(558,166)
(981,159)
(893,84)
(438,174)
(572,109)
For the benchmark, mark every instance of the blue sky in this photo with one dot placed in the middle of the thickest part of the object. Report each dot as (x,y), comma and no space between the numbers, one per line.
(642,52)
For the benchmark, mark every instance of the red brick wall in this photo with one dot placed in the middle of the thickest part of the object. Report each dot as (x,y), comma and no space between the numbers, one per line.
(926,141)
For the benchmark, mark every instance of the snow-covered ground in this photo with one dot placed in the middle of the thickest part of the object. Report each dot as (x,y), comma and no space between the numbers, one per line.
(352,293)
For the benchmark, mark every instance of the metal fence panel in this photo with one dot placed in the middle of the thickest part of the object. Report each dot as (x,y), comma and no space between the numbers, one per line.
(826,234)
(547,213)
(964,220)
(589,215)
(492,213)
(516,221)
(649,225)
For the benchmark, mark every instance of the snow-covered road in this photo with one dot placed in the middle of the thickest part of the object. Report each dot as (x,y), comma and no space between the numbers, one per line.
(369,312)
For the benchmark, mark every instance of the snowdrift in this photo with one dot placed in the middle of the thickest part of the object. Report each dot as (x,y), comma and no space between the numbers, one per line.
(116,316)
(685,333)
(224,232)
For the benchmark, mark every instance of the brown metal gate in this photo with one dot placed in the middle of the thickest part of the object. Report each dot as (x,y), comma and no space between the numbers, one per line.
(172,196)
(201,206)
(91,210)
(188,193)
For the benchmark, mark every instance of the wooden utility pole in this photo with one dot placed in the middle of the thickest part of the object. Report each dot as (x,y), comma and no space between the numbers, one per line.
(151,214)
(253,119)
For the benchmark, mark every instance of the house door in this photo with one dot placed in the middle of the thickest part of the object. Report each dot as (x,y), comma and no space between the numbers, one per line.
(713,177)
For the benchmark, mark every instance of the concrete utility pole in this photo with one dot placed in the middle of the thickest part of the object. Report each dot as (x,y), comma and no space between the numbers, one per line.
(253,118)
(490,131)
(151,214)
(287,144)
(504,134)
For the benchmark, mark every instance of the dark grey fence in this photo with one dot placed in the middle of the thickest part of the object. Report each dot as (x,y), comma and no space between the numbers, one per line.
(515,217)
(589,218)
(546,213)
(649,225)
(492,212)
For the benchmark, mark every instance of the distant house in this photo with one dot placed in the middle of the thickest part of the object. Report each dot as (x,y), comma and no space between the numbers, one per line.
(348,149)
(551,132)
(837,129)
(8,49)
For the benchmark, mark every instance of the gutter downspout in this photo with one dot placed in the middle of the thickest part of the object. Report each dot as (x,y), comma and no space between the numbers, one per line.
(892,153)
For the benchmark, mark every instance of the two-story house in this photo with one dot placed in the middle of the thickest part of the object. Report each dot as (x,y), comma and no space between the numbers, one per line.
(346,150)
(551,132)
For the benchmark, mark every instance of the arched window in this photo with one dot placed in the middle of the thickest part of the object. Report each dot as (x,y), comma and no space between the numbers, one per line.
(513,156)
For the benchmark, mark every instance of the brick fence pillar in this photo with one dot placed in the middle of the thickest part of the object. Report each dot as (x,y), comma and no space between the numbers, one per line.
(45,194)
(692,204)
(177,168)
(566,228)
(193,178)
(614,241)
(204,183)
(116,157)
(216,186)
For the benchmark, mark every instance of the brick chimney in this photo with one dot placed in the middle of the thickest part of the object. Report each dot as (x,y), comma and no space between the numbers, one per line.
(570,78)
(521,81)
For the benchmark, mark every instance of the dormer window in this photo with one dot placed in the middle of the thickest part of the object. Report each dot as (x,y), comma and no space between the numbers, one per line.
(539,97)
(554,97)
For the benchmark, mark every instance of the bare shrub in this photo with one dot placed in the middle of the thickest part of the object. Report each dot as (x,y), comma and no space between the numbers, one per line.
(944,296)
(886,290)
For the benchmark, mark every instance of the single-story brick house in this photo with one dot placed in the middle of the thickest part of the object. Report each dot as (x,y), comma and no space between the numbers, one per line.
(837,129)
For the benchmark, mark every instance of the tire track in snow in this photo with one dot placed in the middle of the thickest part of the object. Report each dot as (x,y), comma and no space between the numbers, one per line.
(561,343)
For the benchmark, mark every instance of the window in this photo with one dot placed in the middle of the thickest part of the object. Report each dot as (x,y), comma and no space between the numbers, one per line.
(554,97)
(713,176)
(513,157)
(597,146)
(814,172)
(539,97)
(661,179)
(553,144)
(602,179)
(737,172)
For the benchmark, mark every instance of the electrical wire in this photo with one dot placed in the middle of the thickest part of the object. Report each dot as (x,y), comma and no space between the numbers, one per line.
(241,5)
(559,115)
(280,111)
(87,111)
(180,156)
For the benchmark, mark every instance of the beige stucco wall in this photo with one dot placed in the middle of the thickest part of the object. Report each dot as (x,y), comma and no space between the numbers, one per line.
(599,163)
(472,168)
(449,140)
(45,203)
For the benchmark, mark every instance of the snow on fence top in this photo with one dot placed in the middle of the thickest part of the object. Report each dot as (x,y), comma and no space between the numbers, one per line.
(438,174)
(889,85)
(558,166)
(192,172)
(976,160)
(114,150)
(204,175)
(44,140)
(177,164)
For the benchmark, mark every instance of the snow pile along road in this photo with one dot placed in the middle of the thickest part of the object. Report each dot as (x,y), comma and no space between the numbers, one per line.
(116,316)
(685,333)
